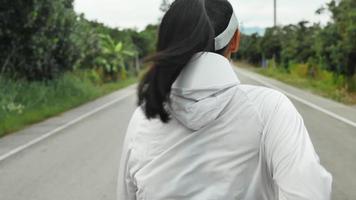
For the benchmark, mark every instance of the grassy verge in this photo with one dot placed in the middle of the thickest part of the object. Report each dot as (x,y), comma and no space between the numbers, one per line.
(23,103)
(325,83)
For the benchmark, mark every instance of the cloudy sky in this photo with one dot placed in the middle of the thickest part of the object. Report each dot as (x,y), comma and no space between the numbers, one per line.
(253,13)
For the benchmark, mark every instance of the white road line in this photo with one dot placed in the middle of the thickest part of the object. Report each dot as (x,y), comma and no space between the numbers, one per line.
(60,128)
(314,106)
(84,116)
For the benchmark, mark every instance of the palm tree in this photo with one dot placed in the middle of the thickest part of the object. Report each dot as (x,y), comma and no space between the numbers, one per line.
(113,57)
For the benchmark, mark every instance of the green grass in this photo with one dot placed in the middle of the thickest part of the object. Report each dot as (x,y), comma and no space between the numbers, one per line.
(323,83)
(23,103)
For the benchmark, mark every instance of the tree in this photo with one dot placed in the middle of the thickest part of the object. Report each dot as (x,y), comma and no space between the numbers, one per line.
(37,38)
(113,56)
(250,48)
(344,18)
(271,43)
(332,47)
(41,39)
(145,41)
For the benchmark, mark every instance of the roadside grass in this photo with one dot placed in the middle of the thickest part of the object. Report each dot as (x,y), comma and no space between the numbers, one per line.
(23,103)
(323,83)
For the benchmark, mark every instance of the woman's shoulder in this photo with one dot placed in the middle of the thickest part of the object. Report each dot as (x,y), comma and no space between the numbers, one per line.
(266,100)
(261,94)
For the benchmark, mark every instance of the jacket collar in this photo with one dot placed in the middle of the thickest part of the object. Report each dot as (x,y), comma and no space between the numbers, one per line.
(206,71)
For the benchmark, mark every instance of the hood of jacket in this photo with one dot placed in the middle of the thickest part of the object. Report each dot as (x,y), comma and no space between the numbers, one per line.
(202,90)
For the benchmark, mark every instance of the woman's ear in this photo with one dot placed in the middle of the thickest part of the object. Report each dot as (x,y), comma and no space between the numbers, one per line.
(234,45)
(235,42)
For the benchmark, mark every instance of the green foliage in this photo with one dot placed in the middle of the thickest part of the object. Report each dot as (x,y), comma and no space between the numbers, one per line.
(146,39)
(332,47)
(42,39)
(344,27)
(23,102)
(326,83)
(271,45)
(135,46)
(112,57)
(250,49)
(38,38)
(21,97)
(142,42)
(53,59)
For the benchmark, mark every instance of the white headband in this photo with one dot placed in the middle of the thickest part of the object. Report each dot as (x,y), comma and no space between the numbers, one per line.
(225,37)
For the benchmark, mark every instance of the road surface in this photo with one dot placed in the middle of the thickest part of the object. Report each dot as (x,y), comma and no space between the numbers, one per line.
(80,162)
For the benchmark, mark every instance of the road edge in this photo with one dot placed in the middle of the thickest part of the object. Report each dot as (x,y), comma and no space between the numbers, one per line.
(295,97)
(124,93)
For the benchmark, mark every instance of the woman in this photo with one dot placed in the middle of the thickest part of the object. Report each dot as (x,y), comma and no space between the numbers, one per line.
(199,134)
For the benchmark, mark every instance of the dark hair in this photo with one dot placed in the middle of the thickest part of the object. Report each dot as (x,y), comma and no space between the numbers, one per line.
(188,27)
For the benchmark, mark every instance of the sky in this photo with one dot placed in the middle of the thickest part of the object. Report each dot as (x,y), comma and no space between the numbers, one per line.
(252,13)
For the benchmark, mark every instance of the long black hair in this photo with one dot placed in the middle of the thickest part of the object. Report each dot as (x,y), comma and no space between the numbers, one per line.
(188,27)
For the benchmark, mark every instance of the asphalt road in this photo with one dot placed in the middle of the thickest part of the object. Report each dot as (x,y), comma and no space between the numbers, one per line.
(81,161)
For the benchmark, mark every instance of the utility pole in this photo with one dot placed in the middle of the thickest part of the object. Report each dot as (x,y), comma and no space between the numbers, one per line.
(275,13)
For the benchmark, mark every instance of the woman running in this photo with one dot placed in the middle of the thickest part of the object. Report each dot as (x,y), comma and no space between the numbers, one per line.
(199,134)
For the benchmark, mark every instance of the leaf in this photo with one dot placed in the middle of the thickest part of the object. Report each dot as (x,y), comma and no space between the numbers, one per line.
(107,67)
(129,53)
(118,47)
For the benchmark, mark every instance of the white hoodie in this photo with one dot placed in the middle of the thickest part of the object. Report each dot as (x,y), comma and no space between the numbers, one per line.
(226,141)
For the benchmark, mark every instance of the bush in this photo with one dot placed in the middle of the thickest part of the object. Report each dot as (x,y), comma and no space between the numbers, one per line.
(299,70)
(22,96)
(331,47)
(40,39)
(23,102)
(351,83)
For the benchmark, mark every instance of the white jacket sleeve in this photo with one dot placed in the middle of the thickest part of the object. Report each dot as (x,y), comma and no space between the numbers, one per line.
(291,158)
(126,189)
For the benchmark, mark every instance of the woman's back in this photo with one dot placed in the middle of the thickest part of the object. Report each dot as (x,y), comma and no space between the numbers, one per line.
(224,141)
(199,134)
